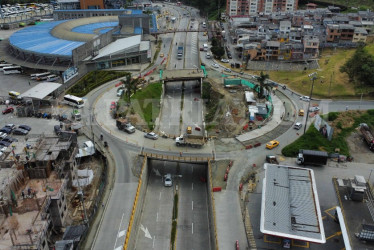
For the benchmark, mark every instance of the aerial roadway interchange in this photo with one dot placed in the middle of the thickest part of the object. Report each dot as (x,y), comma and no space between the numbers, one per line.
(153,230)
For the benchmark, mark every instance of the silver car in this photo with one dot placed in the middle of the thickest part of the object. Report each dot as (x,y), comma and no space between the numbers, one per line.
(151,135)
(168,182)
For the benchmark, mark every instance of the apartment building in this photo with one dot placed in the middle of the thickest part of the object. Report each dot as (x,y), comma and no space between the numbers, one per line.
(253,7)
(360,35)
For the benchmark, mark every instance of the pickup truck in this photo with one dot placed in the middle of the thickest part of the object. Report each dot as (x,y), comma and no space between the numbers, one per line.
(195,141)
(125,125)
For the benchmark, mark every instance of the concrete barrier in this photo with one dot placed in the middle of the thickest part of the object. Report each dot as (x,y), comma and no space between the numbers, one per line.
(137,207)
(211,210)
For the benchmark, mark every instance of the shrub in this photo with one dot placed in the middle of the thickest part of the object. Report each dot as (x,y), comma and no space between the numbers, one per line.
(93,80)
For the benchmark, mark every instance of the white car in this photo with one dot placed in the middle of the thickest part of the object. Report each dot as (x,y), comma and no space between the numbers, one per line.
(314,109)
(297,125)
(151,135)
(215,65)
(305,98)
(225,60)
(168,182)
(3,135)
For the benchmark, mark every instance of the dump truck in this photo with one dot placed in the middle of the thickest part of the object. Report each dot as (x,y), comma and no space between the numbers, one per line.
(195,141)
(125,125)
(368,135)
(180,53)
(312,157)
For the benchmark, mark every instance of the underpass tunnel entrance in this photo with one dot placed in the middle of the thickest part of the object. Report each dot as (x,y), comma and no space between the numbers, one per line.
(176,197)
(186,86)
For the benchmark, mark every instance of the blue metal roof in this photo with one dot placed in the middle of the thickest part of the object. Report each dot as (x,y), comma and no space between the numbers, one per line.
(90,28)
(39,40)
(154,23)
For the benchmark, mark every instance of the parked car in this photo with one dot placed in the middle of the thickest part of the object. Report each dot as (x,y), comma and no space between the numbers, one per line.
(5,144)
(113,105)
(161,54)
(272,144)
(314,109)
(151,135)
(168,182)
(3,135)
(229,56)
(225,60)
(25,127)
(6,130)
(228,70)
(8,110)
(20,131)
(120,92)
(297,125)
(9,139)
(215,65)
(305,98)
(11,126)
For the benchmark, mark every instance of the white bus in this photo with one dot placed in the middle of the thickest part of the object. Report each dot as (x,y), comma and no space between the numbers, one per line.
(12,70)
(74,101)
(5,65)
(52,78)
(35,76)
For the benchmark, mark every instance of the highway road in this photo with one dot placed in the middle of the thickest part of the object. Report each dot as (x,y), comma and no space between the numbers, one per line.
(156,219)
(193,225)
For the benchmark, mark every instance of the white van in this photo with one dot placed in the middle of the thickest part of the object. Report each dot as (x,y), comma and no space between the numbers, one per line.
(205,46)
(52,78)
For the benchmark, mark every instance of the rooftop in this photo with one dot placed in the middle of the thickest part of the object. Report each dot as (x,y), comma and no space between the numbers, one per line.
(41,90)
(290,206)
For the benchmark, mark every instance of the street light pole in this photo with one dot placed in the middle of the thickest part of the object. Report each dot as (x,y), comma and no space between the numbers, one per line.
(313,77)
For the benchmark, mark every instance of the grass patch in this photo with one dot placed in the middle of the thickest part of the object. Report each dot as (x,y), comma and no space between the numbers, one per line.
(93,80)
(344,123)
(146,103)
(174,223)
(330,62)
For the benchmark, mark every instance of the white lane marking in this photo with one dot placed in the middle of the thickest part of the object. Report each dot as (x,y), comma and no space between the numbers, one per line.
(122,233)
(157,217)
(153,243)
(192,185)
(119,248)
(192,205)
(146,232)
(192,227)
(159,198)
(119,227)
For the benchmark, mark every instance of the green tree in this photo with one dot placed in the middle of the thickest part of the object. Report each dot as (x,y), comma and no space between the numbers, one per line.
(360,67)
(130,85)
(262,85)
(218,51)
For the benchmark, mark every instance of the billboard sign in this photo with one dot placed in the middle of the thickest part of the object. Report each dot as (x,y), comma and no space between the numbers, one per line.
(323,127)
(69,74)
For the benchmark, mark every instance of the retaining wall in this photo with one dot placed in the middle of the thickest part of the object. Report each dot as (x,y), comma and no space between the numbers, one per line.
(211,210)
(137,207)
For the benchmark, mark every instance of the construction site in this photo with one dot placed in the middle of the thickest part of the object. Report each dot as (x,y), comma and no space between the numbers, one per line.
(47,193)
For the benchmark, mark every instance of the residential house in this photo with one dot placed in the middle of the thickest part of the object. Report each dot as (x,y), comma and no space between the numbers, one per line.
(311,45)
(285,27)
(272,50)
(333,33)
(346,32)
(360,35)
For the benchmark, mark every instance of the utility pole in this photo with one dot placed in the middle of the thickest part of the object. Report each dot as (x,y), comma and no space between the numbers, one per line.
(313,77)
